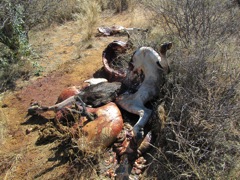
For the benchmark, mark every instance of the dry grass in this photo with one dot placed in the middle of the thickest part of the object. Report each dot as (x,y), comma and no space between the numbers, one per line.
(85,159)
(42,13)
(45,14)
(3,126)
(118,5)
(201,137)
(74,149)
(88,16)
(9,164)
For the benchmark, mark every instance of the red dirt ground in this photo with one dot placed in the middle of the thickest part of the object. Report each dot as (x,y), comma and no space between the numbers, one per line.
(64,64)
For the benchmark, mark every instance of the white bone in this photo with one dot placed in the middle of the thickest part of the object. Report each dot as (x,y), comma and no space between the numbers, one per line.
(93,81)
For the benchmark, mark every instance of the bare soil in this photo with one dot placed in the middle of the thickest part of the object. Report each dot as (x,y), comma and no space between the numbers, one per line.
(64,64)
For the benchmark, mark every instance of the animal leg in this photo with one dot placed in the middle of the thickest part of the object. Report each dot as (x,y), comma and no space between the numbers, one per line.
(136,107)
(144,115)
(37,109)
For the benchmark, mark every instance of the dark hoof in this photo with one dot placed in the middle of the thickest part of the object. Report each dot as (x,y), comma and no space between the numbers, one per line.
(35,109)
(139,136)
(32,110)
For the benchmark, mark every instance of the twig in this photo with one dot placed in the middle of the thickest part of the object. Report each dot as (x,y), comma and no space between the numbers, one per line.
(4,22)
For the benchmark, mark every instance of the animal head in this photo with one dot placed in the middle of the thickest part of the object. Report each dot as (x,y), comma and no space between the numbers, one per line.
(146,57)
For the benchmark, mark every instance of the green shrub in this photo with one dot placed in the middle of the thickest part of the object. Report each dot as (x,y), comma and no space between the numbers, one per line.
(16,19)
(14,44)
(13,33)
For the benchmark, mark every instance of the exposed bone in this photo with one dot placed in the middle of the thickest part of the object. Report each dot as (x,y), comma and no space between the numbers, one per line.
(37,109)
(109,55)
(93,81)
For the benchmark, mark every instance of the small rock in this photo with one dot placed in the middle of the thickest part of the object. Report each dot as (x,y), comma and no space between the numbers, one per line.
(4,106)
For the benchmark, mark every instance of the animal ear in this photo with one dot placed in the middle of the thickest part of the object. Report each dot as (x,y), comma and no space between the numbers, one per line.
(159,65)
(165,46)
(132,56)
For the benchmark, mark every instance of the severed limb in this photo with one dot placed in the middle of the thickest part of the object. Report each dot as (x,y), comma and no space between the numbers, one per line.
(36,108)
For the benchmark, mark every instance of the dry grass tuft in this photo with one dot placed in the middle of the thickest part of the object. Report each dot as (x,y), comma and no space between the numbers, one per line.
(42,13)
(3,126)
(84,160)
(74,148)
(118,5)
(9,165)
(88,16)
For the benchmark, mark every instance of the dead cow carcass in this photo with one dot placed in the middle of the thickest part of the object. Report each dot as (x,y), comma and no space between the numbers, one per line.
(154,67)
